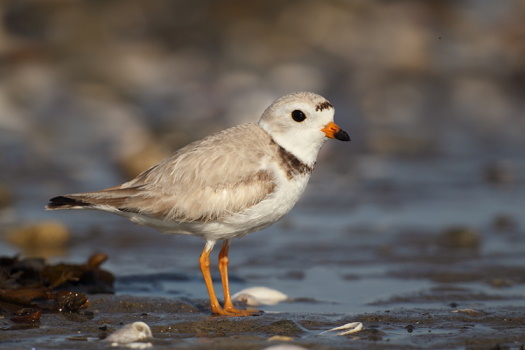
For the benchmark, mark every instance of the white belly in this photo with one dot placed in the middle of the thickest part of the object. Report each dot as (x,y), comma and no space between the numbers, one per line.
(255,218)
(262,215)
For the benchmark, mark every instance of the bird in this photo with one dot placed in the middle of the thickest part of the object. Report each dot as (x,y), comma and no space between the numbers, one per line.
(237,181)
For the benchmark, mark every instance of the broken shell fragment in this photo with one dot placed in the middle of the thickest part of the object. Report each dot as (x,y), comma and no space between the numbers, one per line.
(256,296)
(470,312)
(130,333)
(352,327)
(285,347)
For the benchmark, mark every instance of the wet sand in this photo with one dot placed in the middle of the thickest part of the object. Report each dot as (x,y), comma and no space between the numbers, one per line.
(187,324)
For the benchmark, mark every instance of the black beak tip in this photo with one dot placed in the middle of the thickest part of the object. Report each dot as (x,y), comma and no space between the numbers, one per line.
(342,135)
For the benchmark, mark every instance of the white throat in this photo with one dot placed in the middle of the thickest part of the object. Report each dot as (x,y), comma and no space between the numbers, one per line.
(303,146)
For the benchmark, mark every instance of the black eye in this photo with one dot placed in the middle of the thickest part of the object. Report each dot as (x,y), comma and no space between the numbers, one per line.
(298,116)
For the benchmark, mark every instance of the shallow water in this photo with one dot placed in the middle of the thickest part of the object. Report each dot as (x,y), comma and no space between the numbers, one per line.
(343,249)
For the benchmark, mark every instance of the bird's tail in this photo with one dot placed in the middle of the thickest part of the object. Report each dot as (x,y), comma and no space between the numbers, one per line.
(68,202)
(108,199)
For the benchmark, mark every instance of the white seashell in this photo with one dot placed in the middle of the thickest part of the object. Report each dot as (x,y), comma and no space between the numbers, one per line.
(134,345)
(285,347)
(470,312)
(352,327)
(130,333)
(255,296)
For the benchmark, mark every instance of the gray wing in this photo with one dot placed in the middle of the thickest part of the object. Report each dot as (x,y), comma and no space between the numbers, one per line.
(207,180)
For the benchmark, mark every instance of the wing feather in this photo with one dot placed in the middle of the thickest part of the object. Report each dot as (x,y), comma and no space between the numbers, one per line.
(207,180)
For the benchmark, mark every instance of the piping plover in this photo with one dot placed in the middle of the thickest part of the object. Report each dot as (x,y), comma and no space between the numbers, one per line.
(229,184)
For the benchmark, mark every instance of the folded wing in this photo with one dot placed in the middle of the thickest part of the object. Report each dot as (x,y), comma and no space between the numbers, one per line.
(205,181)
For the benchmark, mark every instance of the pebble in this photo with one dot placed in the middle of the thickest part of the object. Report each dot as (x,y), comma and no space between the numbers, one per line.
(41,235)
(502,172)
(504,222)
(280,338)
(460,237)
(6,198)
(500,282)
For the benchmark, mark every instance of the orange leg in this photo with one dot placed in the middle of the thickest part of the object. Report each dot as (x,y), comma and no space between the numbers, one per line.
(204,262)
(223,268)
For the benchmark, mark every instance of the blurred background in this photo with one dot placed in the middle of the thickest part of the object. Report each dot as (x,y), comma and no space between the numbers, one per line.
(431,93)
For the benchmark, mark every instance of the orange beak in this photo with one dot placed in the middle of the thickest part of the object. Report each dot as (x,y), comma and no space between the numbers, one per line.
(333,131)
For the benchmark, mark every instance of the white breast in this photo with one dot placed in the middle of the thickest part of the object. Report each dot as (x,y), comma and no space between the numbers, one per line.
(262,215)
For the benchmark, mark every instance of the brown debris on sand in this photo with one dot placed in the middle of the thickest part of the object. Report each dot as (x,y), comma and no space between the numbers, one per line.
(29,286)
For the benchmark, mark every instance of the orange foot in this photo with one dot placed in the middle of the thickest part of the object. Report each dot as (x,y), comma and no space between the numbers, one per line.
(238,312)
(233,312)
